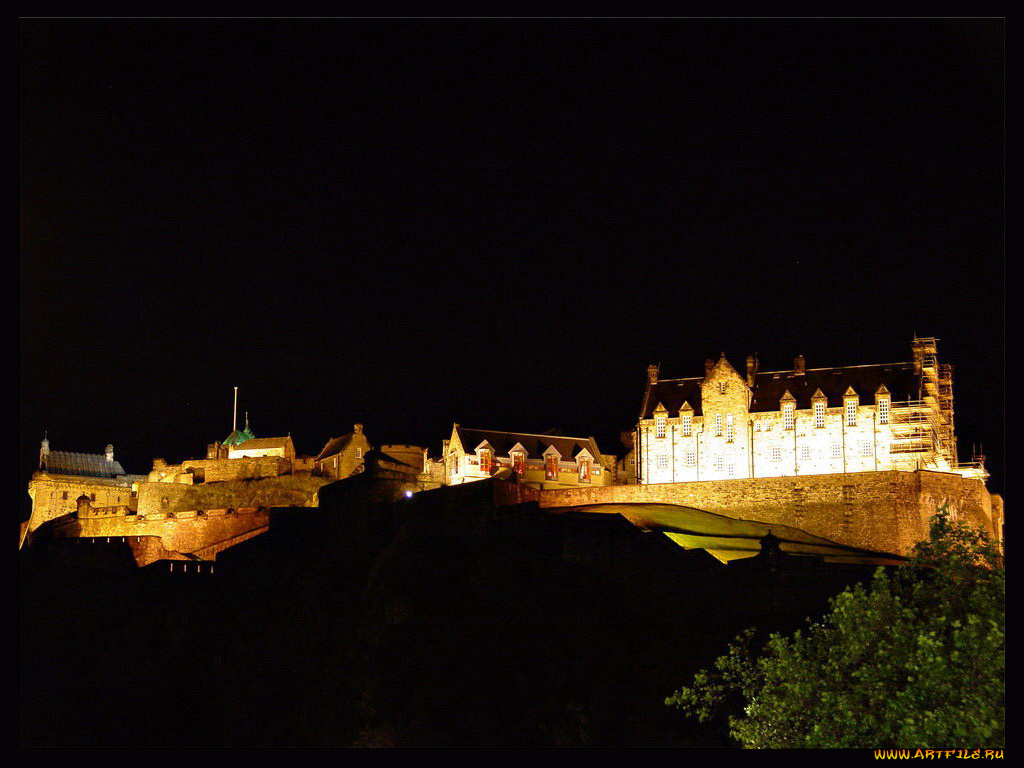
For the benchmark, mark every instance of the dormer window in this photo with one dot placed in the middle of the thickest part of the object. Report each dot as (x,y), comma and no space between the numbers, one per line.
(883,410)
(659,426)
(788,415)
(486,460)
(453,464)
(819,413)
(687,419)
(519,462)
(584,467)
(851,412)
(551,466)
(718,425)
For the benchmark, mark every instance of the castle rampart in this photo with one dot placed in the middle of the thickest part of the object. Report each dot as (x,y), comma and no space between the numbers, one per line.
(882,511)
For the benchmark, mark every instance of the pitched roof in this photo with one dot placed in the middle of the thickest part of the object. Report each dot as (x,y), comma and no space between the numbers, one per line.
(335,446)
(267,442)
(238,436)
(535,445)
(82,464)
(672,393)
(899,379)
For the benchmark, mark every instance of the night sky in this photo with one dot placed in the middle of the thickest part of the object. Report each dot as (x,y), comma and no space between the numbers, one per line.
(410,223)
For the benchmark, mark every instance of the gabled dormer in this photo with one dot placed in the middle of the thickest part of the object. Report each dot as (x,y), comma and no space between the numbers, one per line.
(485,457)
(686,419)
(660,420)
(850,402)
(551,459)
(883,403)
(584,464)
(787,407)
(819,403)
(518,455)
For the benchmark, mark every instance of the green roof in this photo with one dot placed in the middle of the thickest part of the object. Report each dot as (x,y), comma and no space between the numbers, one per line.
(238,437)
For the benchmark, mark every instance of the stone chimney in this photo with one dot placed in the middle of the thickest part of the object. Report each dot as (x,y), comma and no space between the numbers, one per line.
(652,374)
(358,428)
(799,365)
(708,365)
(751,370)
(109,453)
(44,451)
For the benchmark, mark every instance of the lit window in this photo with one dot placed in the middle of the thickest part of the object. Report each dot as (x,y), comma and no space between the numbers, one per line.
(519,462)
(584,470)
(730,428)
(883,410)
(687,424)
(659,426)
(721,387)
(851,413)
(788,416)
(819,413)
(718,425)
(359,453)
(776,453)
(551,467)
(485,461)
(453,464)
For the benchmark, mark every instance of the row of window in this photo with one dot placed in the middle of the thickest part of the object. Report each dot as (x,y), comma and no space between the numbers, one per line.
(788,419)
(864,448)
(519,465)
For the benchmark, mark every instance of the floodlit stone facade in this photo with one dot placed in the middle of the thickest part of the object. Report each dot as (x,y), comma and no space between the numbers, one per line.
(870,418)
(542,461)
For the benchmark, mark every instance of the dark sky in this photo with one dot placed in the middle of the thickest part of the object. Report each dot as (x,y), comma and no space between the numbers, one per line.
(500,223)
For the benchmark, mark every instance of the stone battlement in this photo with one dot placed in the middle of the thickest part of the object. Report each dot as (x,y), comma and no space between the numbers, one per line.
(881,511)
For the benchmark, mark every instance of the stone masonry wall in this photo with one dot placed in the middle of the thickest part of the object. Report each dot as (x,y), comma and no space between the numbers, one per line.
(882,511)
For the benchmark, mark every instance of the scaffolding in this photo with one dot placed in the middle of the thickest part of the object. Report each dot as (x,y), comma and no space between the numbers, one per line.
(922,429)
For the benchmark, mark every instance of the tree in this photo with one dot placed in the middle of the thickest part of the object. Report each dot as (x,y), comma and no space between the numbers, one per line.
(916,658)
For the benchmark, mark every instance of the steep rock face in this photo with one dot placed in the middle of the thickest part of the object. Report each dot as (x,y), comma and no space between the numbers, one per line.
(441,620)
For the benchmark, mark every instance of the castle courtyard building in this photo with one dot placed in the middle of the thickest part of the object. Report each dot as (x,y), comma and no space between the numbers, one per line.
(802,421)
(542,461)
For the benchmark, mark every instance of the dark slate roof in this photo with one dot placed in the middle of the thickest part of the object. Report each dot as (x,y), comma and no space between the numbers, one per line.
(535,445)
(769,387)
(82,464)
(672,393)
(335,446)
(899,379)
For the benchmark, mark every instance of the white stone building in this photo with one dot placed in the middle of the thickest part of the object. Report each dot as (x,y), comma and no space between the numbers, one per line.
(804,421)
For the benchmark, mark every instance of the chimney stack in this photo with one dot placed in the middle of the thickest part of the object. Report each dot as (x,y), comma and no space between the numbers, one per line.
(708,365)
(109,451)
(358,428)
(799,365)
(652,374)
(751,370)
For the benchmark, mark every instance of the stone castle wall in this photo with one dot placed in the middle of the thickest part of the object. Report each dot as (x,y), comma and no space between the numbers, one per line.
(283,491)
(882,511)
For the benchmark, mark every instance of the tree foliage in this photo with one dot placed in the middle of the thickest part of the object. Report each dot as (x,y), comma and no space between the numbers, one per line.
(914,659)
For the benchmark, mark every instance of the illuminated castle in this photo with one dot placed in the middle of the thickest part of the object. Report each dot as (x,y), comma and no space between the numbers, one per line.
(803,421)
